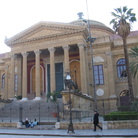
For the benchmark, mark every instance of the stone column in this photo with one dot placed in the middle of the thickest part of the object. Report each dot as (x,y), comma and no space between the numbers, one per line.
(45,67)
(24,77)
(37,74)
(6,95)
(19,72)
(136,87)
(111,84)
(12,74)
(83,69)
(66,58)
(87,70)
(0,83)
(52,69)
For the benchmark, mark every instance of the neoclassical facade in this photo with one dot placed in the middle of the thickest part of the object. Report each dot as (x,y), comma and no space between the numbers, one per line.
(42,54)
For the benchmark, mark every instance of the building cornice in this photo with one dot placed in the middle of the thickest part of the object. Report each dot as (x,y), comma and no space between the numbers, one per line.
(71,29)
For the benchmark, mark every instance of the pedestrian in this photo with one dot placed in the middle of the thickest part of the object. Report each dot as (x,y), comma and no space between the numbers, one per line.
(96,120)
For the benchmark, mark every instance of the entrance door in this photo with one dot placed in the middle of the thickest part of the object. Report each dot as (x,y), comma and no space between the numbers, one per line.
(75,73)
(124,98)
(58,76)
(33,87)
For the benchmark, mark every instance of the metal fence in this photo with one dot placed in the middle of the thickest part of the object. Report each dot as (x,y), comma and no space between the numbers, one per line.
(48,112)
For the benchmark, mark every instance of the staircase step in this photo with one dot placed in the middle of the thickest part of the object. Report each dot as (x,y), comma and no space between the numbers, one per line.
(31,109)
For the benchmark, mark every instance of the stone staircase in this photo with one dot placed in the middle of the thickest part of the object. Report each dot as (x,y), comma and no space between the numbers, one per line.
(31,109)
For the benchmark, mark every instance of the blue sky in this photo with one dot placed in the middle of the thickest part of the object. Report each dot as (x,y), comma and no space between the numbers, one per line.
(17,15)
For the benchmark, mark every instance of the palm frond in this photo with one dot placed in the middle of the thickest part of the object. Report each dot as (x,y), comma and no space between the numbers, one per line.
(118,10)
(132,19)
(134,65)
(115,15)
(134,52)
(134,68)
(113,21)
(124,9)
(129,11)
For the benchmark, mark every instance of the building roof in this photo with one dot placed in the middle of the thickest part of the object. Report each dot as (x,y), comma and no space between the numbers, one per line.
(132,34)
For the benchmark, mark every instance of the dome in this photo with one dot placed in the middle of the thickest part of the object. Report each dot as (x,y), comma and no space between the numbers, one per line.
(84,22)
(94,25)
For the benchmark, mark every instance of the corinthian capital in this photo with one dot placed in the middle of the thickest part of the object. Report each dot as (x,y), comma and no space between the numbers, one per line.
(6,67)
(37,52)
(66,47)
(108,53)
(13,56)
(25,54)
(81,45)
(51,49)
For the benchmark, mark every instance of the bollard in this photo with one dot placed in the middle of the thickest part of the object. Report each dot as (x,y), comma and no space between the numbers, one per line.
(20,113)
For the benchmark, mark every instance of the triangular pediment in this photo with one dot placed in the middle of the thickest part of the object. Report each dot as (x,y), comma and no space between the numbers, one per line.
(43,30)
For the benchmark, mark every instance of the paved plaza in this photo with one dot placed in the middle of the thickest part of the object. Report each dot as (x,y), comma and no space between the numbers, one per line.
(78,133)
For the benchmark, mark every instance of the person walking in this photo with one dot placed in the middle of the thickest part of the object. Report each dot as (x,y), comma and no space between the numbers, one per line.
(96,120)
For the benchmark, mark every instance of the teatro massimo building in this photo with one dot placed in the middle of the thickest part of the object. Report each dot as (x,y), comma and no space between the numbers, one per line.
(42,54)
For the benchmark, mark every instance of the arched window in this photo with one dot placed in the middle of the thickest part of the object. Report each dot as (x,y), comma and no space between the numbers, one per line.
(121,68)
(3,81)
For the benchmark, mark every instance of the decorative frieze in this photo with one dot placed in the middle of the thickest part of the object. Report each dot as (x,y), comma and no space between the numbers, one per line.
(98,59)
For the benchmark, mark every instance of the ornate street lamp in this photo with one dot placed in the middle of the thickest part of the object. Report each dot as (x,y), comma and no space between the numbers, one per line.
(69,85)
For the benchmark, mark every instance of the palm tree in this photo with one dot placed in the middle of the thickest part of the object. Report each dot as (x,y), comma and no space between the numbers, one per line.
(122,25)
(134,65)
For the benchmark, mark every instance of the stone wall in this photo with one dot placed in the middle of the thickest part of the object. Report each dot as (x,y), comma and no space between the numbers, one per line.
(133,124)
(122,124)
(8,124)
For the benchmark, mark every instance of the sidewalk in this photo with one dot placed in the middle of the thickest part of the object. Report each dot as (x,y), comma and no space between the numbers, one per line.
(78,133)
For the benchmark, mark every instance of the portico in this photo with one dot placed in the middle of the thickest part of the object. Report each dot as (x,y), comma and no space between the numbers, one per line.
(40,49)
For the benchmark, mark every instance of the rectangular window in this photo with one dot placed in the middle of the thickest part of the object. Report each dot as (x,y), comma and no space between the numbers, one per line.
(16,83)
(3,81)
(98,75)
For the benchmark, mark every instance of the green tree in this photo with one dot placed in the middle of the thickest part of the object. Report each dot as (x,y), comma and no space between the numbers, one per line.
(134,65)
(122,26)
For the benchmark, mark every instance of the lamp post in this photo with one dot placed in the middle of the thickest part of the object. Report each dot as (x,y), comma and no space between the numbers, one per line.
(100,92)
(90,39)
(69,85)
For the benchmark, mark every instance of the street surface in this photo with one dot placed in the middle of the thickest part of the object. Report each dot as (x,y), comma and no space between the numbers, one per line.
(15,136)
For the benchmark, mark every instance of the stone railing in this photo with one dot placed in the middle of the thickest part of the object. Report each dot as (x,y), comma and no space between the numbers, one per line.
(79,101)
(122,79)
